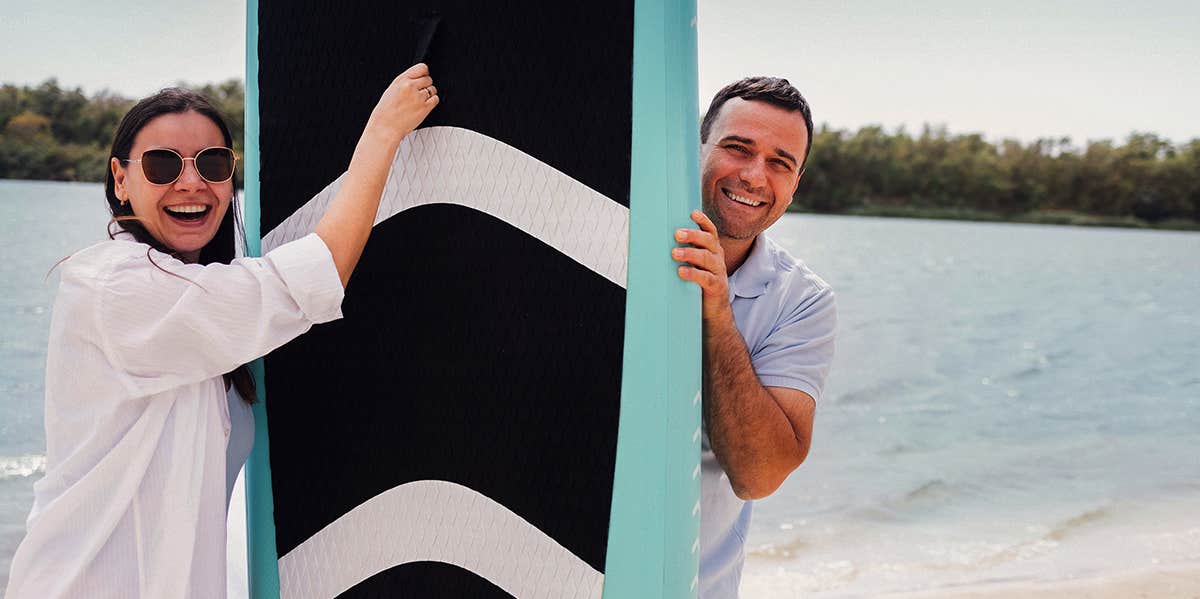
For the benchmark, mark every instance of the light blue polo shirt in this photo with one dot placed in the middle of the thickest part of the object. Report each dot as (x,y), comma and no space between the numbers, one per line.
(786,315)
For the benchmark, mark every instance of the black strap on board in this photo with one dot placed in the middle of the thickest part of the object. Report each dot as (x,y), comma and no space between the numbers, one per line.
(425,28)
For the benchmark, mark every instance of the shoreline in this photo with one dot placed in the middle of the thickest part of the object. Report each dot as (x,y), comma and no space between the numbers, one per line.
(1165,582)
(1151,549)
(1180,580)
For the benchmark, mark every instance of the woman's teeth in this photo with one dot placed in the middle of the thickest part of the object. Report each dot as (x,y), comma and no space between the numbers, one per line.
(187,211)
(188,208)
(739,199)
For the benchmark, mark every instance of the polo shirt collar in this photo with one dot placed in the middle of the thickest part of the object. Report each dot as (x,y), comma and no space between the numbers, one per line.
(752,278)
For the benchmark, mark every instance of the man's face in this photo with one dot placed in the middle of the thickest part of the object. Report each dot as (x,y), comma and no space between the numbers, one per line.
(750,166)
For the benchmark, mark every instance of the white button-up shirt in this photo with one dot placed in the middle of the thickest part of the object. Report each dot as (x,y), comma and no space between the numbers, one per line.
(133,500)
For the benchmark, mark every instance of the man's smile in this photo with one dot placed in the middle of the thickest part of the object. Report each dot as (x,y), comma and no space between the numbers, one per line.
(741,199)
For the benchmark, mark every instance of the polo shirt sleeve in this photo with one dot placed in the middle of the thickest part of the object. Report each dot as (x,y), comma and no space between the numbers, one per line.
(799,349)
(165,323)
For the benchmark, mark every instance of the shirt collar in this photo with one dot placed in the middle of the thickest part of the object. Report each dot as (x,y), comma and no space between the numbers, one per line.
(752,278)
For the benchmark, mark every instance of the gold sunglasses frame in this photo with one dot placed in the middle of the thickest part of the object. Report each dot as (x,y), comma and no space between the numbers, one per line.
(232,168)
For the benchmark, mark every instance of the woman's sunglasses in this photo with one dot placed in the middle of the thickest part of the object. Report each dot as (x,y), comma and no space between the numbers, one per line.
(163,166)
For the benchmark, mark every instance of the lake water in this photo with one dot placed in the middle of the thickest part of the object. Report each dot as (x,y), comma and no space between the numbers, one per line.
(1007,402)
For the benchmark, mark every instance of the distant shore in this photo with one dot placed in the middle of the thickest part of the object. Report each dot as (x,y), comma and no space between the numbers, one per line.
(1037,217)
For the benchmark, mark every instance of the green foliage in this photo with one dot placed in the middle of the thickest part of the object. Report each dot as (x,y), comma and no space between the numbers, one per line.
(27,126)
(51,133)
(1148,179)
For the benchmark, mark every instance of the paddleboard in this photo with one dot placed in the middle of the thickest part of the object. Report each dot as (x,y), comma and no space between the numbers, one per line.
(510,406)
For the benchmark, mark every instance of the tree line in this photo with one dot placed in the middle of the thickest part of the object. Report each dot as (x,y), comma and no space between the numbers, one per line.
(1147,178)
(53,133)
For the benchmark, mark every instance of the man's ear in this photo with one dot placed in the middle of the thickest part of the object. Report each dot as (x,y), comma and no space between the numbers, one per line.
(796,184)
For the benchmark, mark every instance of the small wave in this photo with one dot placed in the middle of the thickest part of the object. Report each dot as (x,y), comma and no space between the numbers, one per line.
(1071,525)
(897,449)
(875,513)
(867,395)
(1039,364)
(1003,316)
(927,496)
(933,490)
(21,466)
(987,555)
(931,493)
(1024,373)
(932,408)
(975,555)
(780,551)
(979,555)
(886,390)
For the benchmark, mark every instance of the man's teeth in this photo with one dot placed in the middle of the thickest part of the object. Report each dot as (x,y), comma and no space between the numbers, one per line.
(739,199)
(188,209)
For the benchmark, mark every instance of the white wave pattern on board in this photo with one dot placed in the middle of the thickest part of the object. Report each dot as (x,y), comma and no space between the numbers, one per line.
(450,165)
(21,466)
(434,520)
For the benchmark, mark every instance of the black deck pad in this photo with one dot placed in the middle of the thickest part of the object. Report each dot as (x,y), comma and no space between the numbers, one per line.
(470,351)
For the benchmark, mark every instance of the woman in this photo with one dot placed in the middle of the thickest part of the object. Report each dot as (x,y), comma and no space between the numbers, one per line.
(145,328)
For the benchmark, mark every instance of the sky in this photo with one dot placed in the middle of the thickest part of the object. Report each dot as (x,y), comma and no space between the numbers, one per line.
(1018,69)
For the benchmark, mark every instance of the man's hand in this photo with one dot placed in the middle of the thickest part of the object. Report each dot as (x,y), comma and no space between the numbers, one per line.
(704,266)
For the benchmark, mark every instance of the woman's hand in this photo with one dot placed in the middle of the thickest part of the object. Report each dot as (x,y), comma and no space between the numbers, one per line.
(404,104)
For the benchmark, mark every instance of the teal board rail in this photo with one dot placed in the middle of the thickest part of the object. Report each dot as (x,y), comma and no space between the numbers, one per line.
(263,569)
(654,530)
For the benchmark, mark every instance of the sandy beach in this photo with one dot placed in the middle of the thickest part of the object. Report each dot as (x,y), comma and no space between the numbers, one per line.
(1178,582)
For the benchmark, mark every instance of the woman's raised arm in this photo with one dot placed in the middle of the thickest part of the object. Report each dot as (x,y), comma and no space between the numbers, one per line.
(348,220)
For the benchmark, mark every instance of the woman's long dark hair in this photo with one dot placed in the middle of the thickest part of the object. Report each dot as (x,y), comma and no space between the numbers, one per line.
(223,246)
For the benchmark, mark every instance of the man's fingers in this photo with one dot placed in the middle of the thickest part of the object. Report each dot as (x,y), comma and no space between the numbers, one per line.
(701,239)
(705,262)
(705,223)
(422,82)
(697,257)
(706,280)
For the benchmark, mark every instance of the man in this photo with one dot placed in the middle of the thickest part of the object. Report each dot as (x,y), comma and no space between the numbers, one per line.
(768,320)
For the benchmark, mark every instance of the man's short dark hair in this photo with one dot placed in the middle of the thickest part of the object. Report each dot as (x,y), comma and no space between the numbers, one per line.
(772,90)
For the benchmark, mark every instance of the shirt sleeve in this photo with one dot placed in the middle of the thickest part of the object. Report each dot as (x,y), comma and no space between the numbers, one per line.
(798,352)
(166,324)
